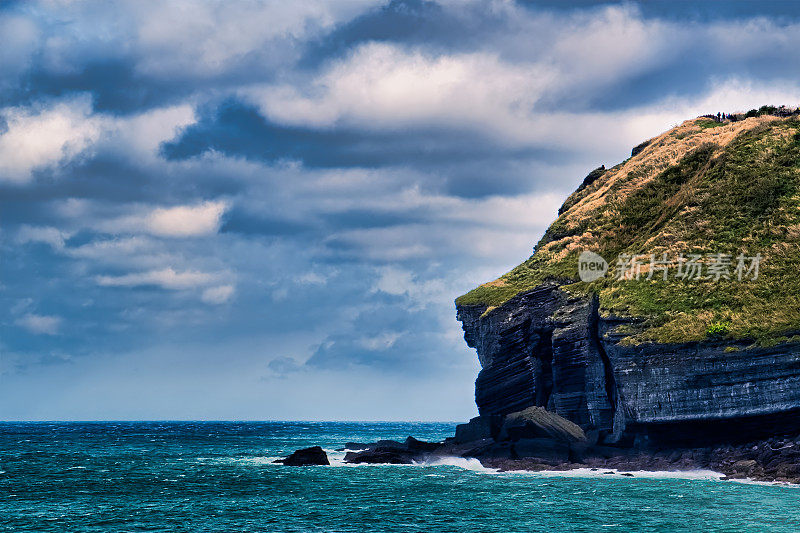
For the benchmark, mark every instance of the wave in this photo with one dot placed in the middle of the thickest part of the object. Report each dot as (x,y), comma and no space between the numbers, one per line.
(461,462)
(708,475)
(336,458)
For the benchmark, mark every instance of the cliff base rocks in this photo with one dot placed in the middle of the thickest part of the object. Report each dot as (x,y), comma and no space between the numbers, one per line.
(535,439)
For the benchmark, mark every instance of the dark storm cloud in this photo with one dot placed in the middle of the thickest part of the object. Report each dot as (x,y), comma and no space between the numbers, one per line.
(114,84)
(365,218)
(248,224)
(238,129)
(117,52)
(399,20)
(458,159)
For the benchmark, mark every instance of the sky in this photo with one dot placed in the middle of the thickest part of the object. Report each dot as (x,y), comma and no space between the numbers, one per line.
(264,210)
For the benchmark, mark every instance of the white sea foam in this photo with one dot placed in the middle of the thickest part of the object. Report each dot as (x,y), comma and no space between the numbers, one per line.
(461,462)
(258,460)
(614,473)
(336,459)
(476,466)
(749,481)
(264,460)
(705,475)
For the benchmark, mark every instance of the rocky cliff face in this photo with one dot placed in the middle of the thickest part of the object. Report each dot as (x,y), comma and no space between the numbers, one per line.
(654,369)
(547,349)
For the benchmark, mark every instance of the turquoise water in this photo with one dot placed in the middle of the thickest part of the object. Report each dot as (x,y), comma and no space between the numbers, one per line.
(212,476)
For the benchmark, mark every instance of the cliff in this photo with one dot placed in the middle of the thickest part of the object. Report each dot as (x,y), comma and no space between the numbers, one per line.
(682,339)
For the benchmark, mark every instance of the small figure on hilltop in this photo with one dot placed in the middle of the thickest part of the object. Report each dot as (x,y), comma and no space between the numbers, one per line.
(766,110)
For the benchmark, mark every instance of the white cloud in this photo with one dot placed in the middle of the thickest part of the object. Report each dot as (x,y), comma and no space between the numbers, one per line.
(191,220)
(393,281)
(166,278)
(45,234)
(208,38)
(382,85)
(136,252)
(145,132)
(382,341)
(218,295)
(598,47)
(40,324)
(47,135)
(186,221)
(102,249)
(44,137)
(511,88)
(20,40)
(311,278)
(401,282)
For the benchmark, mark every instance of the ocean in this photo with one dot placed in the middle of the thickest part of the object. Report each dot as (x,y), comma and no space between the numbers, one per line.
(219,476)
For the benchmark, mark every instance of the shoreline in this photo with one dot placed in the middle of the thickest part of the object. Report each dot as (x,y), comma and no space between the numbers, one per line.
(578,471)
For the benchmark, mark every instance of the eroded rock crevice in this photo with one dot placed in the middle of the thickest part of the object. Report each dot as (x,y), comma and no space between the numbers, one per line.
(543,352)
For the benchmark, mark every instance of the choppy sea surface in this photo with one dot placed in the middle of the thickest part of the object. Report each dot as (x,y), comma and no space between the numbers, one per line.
(219,476)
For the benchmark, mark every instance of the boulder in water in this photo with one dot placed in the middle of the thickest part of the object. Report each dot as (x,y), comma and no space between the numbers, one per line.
(306,457)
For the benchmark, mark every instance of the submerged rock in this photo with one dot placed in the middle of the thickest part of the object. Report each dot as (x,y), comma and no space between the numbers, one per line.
(306,457)
(381,456)
(392,452)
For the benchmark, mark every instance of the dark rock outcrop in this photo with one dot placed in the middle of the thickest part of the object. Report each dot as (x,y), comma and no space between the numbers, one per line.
(542,348)
(480,427)
(588,180)
(416,445)
(533,433)
(381,456)
(639,147)
(546,451)
(538,423)
(514,345)
(775,459)
(391,451)
(306,457)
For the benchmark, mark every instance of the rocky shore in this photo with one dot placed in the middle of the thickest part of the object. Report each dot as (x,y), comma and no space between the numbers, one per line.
(535,439)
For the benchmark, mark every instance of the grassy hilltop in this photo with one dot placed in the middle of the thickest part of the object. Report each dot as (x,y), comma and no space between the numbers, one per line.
(704,187)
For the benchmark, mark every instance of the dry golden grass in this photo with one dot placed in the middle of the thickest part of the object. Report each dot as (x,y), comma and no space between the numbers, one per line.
(663,151)
(698,188)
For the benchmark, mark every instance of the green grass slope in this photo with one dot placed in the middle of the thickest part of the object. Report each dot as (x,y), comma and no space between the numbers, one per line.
(697,189)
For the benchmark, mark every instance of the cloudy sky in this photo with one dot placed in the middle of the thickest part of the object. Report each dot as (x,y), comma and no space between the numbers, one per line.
(264,210)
